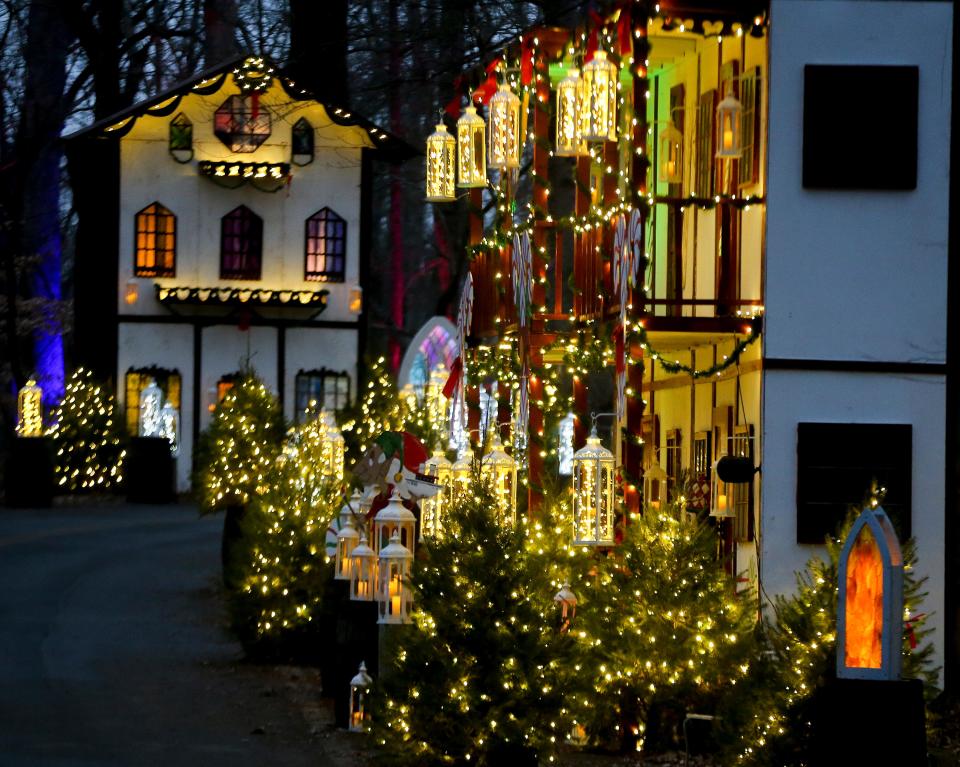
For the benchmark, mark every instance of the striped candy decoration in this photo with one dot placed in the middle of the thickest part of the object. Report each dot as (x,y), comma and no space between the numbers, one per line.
(635,243)
(522,272)
(464,318)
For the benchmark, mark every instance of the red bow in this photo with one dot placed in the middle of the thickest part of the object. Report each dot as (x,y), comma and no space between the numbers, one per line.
(526,62)
(453,106)
(483,94)
(596,22)
(619,347)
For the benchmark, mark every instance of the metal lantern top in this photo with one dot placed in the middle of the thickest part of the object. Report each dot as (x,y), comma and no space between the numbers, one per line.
(151,403)
(362,680)
(471,149)
(504,129)
(394,518)
(501,469)
(671,155)
(593,450)
(463,466)
(569,98)
(728,127)
(497,457)
(441,151)
(438,466)
(599,99)
(870,606)
(30,410)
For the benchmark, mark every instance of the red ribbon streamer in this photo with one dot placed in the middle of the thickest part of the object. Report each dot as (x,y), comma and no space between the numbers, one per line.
(255,105)
(623,33)
(456,370)
(526,62)
(619,348)
(485,92)
(593,41)
(453,106)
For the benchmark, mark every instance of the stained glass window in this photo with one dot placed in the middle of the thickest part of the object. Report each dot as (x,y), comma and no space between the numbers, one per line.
(241,245)
(242,123)
(326,244)
(155,250)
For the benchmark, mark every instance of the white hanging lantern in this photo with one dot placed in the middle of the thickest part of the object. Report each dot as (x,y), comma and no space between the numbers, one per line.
(151,403)
(720,505)
(359,687)
(569,99)
(504,129)
(363,573)
(500,470)
(567,601)
(394,518)
(441,150)
(347,540)
(471,149)
(593,494)
(728,127)
(671,155)
(600,99)
(655,486)
(30,410)
(433,509)
(393,587)
(170,426)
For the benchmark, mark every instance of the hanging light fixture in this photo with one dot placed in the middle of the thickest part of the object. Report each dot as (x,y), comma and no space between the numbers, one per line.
(728,127)
(655,486)
(569,100)
(720,505)
(30,410)
(600,99)
(347,538)
(432,509)
(671,155)
(471,149)
(359,687)
(394,518)
(500,470)
(363,573)
(504,129)
(593,495)
(151,403)
(441,150)
(393,584)
(170,426)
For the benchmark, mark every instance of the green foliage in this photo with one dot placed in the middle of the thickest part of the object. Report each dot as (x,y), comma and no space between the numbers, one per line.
(379,409)
(86,437)
(238,449)
(481,674)
(661,631)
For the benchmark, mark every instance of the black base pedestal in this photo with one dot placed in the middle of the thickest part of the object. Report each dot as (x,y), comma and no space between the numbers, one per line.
(871,723)
(355,641)
(150,471)
(28,474)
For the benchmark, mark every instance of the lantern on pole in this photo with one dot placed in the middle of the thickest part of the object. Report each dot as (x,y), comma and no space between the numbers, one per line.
(567,601)
(359,687)
(471,149)
(393,587)
(441,151)
(569,142)
(720,505)
(30,410)
(671,155)
(394,518)
(347,538)
(655,486)
(151,403)
(170,426)
(363,573)
(504,130)
(728,127)
(599,99)
(593,493)
(432,509)
(498,468)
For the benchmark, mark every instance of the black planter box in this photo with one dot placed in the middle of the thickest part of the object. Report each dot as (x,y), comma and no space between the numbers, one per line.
(150,471)
(28,474)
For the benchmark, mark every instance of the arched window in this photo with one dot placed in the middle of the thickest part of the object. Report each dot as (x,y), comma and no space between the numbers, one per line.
(136,380)
(301,142)
(155,247)
(326,247)
(241,245)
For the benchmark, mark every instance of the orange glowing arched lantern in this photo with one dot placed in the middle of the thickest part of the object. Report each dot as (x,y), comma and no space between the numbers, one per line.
(870,608)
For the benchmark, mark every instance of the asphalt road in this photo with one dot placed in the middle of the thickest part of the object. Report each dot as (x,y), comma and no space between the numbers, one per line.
(113,650)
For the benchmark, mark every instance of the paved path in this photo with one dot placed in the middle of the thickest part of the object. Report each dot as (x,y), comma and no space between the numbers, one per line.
(113,649)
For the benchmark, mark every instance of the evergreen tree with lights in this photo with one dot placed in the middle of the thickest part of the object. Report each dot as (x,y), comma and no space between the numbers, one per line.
(379,409)
(482,674)
(661,630)
(86,438)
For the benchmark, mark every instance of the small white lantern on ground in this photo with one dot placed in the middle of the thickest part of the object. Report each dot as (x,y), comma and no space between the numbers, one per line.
(359,687)
(363,573)
(671,155)
(569,99)
(471,149)
(170,426)
(567,601)
(394,518)
(600,99)
(433,509)
(655,486)
(501,471)
(441,150)
(504,132)
(593,494)
(728,127)
(30,410)
(393,587)
(151,404)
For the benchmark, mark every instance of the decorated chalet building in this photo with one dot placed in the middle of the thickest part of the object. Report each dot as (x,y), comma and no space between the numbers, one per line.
(773,186)
(232,229)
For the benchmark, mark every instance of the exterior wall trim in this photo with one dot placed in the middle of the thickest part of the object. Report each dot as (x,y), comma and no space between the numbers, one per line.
(856,366)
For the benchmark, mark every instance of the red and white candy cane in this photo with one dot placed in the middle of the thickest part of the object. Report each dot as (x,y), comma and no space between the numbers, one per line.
(635,241)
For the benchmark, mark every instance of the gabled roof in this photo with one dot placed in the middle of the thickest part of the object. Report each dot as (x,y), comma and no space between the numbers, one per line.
(387,145)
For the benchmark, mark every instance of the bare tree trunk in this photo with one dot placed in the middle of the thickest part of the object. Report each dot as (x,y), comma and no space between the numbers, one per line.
(318,49)
(220,31)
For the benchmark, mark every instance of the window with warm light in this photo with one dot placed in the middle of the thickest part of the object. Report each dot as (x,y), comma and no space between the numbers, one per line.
(136,380)
(155,247)
(241,245)
(325,247)
(181,138)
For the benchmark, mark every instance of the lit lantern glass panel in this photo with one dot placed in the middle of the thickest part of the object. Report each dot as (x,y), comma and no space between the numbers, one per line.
(471,149)
(170,426)
(347,540)
(393,585)
(462,472)
(30,410)
(437,404)
(359,687)
(655,486)
(504,129)
(569,100)
(363,573)
(151,405)
(500,470)
(593,494)
(332,446)
(671,155)
(600,99)
(728,128)
(432,509)
(441,176)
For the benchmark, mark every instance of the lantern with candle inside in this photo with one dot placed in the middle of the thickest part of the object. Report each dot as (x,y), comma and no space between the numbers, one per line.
(593,493)
(655,485)
(569,99)
(332,446)
(436,403)
(394,518)
(432,509)
(461,472)
(151,405)
(393,587)
(441,178)
(719,500)
(500,470)
(504,129)
(355,302)
(671,155)
(30,410)
(347,540)
(599,99)
(363,573)
(359,687)
(132,292)
(728,127)
(471,149)
(566,600)
(170,426)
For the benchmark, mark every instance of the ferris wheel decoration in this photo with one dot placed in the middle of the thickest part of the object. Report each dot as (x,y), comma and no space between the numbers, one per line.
(522,272)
